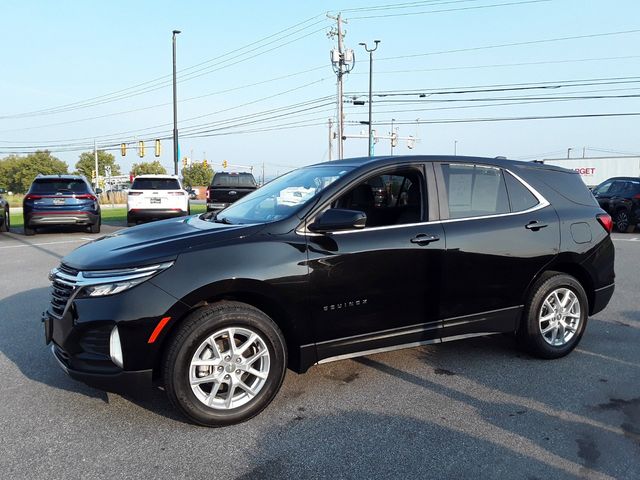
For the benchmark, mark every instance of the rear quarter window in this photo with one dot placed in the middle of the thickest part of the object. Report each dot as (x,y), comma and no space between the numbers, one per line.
(520,197)
(568,184)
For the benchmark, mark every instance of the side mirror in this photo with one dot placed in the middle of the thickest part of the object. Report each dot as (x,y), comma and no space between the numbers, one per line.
(338,219)
(98,191)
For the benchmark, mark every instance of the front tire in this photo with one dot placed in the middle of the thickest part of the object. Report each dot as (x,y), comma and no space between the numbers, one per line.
(225,364)
(555,316)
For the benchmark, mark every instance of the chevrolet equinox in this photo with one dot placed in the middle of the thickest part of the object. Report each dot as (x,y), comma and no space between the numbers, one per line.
(315,267)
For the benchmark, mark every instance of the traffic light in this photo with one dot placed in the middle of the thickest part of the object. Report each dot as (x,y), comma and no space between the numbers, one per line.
(158,148)
(123,149)
(224,164)
(141,149)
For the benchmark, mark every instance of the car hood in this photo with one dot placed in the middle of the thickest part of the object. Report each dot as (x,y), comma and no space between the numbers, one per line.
(153,242)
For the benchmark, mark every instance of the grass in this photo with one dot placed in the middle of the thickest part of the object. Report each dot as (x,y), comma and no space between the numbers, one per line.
(110,216)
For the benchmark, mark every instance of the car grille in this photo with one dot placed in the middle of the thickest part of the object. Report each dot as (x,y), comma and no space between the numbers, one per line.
(63,285)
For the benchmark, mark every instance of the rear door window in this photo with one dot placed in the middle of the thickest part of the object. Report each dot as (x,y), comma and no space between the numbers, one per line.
(475,190)
(155,184)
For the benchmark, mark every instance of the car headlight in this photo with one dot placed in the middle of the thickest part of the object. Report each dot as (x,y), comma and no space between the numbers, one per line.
(99,283)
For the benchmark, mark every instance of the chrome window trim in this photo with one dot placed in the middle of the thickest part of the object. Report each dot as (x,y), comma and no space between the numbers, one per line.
(542,203)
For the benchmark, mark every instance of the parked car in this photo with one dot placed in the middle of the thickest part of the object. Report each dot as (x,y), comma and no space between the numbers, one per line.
(227,188)
(61,200)
(5,217)
(215,308)
(620,198)
(153,197)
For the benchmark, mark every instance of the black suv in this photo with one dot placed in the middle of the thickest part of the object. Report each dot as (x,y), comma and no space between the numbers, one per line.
(620,197)
(61,200)
(227,188)
(313,268)
(5,217)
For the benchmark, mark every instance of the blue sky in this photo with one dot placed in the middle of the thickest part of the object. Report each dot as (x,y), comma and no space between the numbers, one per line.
(60,53)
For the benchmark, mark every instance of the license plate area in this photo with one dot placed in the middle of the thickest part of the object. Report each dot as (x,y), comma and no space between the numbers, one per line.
(58,201)
(155,200)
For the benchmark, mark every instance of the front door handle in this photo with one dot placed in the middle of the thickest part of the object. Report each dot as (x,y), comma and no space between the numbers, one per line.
(535,225)
(424,239)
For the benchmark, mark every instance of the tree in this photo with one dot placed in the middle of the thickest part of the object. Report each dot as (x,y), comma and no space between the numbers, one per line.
(197,174)
(18,172)
(87,164)
(144,168)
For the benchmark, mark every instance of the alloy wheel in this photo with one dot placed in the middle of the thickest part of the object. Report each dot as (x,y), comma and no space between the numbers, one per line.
(229,368)
(559,317)
(622,221)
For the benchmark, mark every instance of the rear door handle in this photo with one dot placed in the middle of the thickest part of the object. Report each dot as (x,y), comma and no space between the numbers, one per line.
(424,239)
(535,225)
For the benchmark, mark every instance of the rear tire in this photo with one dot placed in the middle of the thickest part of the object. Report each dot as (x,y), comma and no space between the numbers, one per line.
(6,221)
(202,348)
(131,221)
(555,316)
(95,228)
(28,231)
(622,222)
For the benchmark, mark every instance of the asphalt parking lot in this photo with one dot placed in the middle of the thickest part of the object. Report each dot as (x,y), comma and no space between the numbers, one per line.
(470,409)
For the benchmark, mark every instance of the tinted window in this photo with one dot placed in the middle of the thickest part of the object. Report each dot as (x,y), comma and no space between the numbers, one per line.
(54,185)
(233,180)
(475,190)
(389,199)
(519,196)
(155,184)
(566,183)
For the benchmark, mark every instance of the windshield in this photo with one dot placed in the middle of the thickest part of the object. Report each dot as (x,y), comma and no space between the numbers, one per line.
(155,184)
(283,196)
(58,185)
(233,180)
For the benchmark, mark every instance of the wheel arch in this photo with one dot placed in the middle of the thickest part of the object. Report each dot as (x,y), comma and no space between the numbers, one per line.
(576,271)
(255,293)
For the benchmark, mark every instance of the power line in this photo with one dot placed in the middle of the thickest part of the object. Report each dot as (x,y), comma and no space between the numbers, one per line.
(512,44)
(458,9)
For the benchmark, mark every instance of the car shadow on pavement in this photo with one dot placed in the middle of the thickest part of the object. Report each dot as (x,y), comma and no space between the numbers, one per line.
(529,406)
(22,342)
(358,444)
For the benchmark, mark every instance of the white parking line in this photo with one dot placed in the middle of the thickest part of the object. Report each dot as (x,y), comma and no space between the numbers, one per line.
(45,243)
(634,239)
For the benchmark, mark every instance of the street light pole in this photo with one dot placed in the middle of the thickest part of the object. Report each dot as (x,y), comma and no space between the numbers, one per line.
(370,51)
(175,107)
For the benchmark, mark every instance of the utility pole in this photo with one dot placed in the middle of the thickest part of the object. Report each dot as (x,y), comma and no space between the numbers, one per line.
(370,51)
(330,139)
(175,106)
(455,148)
(262,174)
(569,152)
(393,136)
(342,61)
(95,158)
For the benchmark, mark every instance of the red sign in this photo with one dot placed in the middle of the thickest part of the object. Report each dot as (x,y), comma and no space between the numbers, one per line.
(585,170)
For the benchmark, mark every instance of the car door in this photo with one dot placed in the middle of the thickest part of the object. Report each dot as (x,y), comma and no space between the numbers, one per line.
(500,234)
(379,287)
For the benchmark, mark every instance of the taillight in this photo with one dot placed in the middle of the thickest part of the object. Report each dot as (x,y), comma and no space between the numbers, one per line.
(31,196)
(208,194)
(87,196)
(606,221)
(637,196)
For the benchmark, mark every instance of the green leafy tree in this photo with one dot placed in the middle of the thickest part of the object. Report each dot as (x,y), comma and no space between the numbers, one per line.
(145,168)
(87,164)
(18,172)
(197,174)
